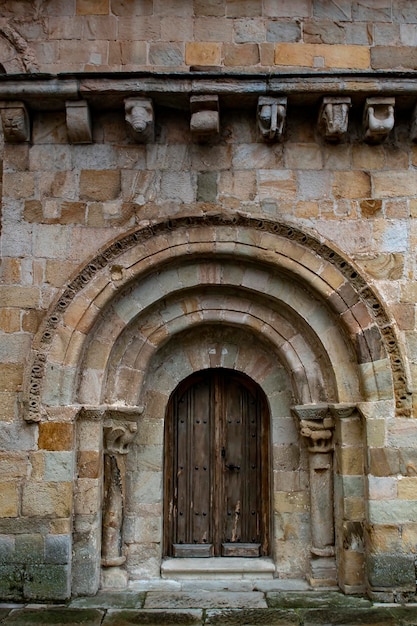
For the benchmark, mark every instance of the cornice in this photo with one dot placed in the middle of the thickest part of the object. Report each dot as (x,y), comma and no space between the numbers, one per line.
(109,90)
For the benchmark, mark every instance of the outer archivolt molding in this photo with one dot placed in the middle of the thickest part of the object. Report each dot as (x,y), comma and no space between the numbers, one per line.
(112,252)
(24,52)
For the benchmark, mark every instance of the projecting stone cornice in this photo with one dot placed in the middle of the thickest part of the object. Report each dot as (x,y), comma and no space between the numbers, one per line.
(109,90)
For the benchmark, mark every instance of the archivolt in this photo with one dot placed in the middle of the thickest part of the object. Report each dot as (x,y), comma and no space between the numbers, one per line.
(105,290)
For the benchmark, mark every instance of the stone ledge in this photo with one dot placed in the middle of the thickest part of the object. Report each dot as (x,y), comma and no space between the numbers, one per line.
(225,568)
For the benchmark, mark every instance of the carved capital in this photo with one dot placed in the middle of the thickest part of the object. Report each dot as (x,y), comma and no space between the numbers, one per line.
(342,410)
(378,119)
(78,121)
(271,116)
(334,118)
(15,122)
(205,117)
(139,115)
(317,425)
(118,435)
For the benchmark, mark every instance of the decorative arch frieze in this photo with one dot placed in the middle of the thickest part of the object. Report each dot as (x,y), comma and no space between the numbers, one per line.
(287,249)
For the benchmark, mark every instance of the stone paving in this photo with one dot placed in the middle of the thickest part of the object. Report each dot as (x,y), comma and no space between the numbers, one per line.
(201,608)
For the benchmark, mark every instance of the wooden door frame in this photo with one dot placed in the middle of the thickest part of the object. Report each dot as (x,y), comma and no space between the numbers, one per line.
(265,454)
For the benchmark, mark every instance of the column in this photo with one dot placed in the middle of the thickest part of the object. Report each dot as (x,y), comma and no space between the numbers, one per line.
(317,426)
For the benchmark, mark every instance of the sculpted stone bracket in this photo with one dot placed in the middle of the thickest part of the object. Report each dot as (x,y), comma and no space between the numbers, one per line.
(78,121)
(334,118)
(205,117)
(378,119)
(15,121)
(139,115)
(271,115)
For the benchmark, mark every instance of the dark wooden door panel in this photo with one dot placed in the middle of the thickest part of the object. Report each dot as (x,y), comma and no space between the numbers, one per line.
(217,467)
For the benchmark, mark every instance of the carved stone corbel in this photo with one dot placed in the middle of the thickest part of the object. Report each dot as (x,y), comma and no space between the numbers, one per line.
(334,118)
(317,426)
(139,115)
(78,121)
(15,121)
(271,116)
(378,119)
(205,117)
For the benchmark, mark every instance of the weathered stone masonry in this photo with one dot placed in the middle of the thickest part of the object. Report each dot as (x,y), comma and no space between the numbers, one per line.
(197,186)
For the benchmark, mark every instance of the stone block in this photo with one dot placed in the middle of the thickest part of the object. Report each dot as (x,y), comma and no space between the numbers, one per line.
(303,156)
(47,499)
(350,460)
(18,185)
(202,53)
(18,436)
(384,538)
(391,570)
(283,31)
(207,187)
(166,54)
(9,499)
(209,7)
(249,31)
(392,511)
(391,183)
(407,487)
(6,549)
(322,55)
(212,29)
(13,465)
(383,461)
(323,31)
(351,185)
(341,11)
(276,184)
(243,8)
(393,57)
(47,582)
(57,549)
(29,549)
(59,466)
(11,582)
(242,54)
(56,436)
(382,487)
(88,464)
(99,185)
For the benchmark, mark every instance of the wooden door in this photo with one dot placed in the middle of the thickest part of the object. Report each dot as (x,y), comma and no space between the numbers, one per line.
(217,467)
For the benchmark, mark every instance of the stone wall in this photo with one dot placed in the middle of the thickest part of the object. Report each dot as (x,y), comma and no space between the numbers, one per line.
(324,230)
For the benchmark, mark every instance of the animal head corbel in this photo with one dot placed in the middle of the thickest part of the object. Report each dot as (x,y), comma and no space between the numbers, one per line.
(139,115)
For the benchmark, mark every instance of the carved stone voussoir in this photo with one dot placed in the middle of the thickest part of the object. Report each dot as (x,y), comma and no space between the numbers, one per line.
(139,115)
(78,121)
(378,119)
(15,121)
(271,116)
(205,117)
(334,118)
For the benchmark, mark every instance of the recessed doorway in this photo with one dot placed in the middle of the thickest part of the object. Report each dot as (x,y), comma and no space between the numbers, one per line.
(217,467)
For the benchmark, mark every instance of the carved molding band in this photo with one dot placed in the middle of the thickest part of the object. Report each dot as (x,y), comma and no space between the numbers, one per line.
(109,255)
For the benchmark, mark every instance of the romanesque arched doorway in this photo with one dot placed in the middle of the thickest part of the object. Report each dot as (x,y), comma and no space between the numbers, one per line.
(217,467)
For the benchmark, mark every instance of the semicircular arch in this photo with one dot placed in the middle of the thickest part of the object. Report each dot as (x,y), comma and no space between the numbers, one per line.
(59,348)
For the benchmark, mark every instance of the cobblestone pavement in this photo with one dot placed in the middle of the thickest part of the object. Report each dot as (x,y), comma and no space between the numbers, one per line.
(223,608)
